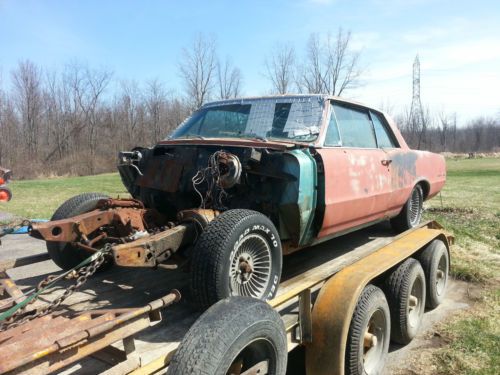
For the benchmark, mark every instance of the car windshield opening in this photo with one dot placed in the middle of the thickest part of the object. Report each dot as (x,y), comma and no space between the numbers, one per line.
(295,119)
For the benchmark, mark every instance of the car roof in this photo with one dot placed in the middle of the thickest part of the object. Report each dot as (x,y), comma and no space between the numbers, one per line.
(287,96)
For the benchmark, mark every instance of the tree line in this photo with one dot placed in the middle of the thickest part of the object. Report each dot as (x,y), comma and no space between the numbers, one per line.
(75,119)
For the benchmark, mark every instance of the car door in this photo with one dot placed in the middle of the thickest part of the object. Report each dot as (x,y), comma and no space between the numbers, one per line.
(357,180)
(400,162)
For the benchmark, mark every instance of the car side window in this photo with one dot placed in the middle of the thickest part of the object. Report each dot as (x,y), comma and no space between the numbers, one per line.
(355,127)
(332,133)
(384,140)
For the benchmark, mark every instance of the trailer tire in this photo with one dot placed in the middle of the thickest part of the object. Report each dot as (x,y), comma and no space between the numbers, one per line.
(63,254)
(405,291)
(435,261)
(5,194)
(233,330)
(370,324)
(411,214)
(225,257)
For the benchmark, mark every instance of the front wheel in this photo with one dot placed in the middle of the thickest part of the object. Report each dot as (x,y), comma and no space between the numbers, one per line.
(238,254)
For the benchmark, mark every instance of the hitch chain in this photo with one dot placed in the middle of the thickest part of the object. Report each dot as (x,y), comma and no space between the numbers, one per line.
(81,275)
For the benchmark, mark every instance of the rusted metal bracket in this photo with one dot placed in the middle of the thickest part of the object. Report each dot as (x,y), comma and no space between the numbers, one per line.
(52,342)
(152,250)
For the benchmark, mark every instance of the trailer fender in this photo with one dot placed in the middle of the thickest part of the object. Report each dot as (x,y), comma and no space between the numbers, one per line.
(334,306)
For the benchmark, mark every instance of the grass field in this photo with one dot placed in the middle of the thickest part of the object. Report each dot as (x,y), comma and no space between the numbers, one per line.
(38,199)
(469,207)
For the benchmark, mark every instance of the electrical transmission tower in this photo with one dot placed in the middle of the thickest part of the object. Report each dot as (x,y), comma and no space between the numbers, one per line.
(416,121)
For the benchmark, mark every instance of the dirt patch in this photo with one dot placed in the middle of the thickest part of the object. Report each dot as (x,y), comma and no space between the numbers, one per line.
(417,357)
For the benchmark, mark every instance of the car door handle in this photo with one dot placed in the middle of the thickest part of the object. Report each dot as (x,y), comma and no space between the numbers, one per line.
(386,162)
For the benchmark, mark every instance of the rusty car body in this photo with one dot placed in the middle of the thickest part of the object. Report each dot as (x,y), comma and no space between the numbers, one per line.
(312,166)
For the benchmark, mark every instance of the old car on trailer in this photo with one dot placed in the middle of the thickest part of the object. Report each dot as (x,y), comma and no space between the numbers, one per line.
(243,182)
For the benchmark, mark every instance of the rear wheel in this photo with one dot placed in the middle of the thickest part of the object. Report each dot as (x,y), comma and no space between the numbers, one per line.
(238,254)
(435,261)
(62,253)
(369,333)
(5,194)
(405,291)
(411,214)
(234,336)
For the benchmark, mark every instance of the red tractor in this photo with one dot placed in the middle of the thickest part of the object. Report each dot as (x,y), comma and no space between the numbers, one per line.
(5,193)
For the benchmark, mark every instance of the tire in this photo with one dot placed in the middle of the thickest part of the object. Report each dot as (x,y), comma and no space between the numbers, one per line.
(411,214)
(234,329)
(405,292)
(435,261)
(5,194)
(371,317)
(225,256)
(62,253)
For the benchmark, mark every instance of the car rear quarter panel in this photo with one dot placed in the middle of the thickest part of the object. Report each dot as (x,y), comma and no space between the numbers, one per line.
(410,167)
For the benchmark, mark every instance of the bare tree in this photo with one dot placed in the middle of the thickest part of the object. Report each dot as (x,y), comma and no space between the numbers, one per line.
(228,80)
(280,68)
(155,98)
(28,97)
(313,73)
(447,126)
(197,69)
(329,67)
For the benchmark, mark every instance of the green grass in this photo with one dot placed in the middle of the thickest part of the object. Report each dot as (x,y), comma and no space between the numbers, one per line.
(473,340)
(38,199)
(469,207)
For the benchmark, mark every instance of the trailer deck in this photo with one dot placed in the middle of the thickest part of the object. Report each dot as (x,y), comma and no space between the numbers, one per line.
(121,288)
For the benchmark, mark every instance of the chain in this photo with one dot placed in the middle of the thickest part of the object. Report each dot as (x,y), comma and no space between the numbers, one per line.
(81,275)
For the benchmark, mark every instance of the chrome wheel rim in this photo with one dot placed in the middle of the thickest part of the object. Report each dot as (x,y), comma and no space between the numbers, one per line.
(414,306)
(373,341)
(441,275)
(415,208)
(250,270)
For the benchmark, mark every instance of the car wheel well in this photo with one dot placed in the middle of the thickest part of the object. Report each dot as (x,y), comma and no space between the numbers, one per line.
(426,187)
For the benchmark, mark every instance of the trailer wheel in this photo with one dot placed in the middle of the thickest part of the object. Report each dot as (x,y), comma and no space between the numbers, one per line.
(411,214)
(233,336)
(405,291)
(62,253)
(5,194)
(435,261)
(369,333)
(238,254)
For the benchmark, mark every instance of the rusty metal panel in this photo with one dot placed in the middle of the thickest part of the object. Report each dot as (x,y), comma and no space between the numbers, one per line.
(54,341)
(357,187)
(148,251)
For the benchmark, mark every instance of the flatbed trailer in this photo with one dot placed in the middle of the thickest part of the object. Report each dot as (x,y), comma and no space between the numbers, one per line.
(100,329)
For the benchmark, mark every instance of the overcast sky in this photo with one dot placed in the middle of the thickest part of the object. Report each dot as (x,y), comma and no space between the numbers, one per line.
(458,42)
